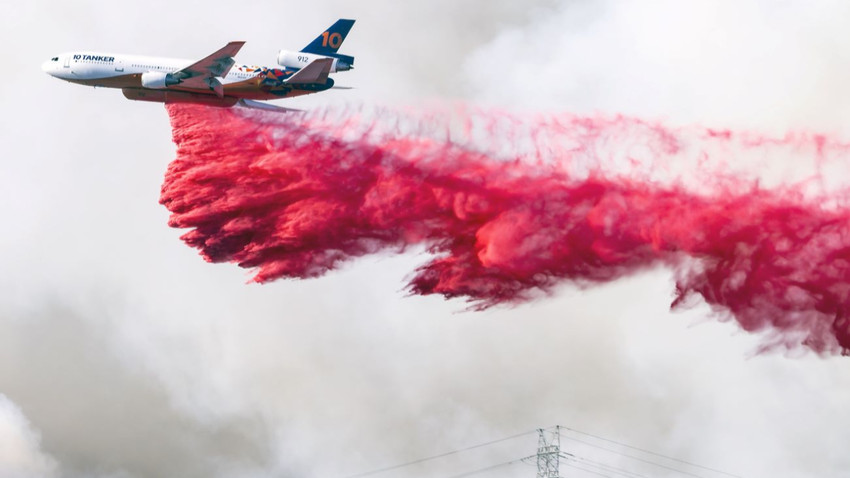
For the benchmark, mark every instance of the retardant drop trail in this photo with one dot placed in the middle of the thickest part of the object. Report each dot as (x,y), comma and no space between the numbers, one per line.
(511,206)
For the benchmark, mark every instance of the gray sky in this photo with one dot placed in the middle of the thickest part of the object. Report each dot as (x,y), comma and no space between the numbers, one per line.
(124,354)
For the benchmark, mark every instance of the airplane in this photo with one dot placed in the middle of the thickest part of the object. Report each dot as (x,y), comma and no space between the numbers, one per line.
(213,80)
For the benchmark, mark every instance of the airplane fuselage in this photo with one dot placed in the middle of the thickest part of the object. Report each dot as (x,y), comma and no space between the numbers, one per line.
(133,74)
(215,79)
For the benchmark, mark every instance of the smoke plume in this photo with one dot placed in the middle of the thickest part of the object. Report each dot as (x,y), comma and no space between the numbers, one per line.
(510,206)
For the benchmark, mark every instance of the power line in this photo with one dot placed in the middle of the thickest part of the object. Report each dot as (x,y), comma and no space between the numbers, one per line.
(574,458)
(491,467)
(586,470)
(603,466)
(650,452)
(635,458)
(441,455)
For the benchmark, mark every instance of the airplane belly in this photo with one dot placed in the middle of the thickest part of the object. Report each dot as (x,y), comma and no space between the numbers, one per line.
(174,96)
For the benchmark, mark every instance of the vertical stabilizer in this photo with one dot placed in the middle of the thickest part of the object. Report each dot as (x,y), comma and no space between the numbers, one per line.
(330,40)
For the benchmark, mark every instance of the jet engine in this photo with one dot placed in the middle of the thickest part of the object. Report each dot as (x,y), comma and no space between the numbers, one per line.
(158,80)
(299,59)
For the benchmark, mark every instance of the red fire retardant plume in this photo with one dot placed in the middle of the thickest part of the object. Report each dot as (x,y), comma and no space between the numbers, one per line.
(510,206)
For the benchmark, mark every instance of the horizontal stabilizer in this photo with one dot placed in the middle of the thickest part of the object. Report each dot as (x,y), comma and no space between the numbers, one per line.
(315,72)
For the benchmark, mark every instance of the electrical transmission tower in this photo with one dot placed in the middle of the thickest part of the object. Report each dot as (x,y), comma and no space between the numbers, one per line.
(548,453)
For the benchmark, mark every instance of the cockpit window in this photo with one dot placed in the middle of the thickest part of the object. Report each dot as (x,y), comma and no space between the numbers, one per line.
(55,58)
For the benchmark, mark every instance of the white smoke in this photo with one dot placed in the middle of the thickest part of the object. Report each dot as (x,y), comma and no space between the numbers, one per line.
(768,66)
(20,446)
(134,358)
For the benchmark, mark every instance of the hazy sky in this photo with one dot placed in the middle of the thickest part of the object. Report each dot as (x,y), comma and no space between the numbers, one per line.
(124,354)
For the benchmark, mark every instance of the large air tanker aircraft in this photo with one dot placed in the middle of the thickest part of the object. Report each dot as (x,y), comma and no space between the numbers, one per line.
(213,80)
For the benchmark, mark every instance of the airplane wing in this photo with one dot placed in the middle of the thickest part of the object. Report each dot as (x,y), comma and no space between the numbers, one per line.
(202,74)
(315,72)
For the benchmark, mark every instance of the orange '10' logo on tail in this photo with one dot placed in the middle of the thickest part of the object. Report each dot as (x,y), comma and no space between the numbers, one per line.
(334,40)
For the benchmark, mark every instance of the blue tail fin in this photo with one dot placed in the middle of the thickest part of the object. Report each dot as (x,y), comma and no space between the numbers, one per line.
(331,39)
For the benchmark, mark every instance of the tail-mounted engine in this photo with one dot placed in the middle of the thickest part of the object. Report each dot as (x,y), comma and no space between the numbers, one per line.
(300,59)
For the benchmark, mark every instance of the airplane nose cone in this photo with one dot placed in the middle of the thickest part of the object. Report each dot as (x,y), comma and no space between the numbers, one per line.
(47,67)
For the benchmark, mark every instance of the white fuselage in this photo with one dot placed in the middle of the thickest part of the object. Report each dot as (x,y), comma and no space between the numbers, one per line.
(145,78)
(88,67)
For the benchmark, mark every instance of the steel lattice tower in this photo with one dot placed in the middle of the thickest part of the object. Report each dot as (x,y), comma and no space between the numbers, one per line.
(548,453)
